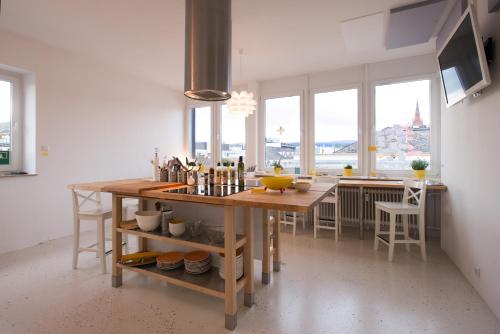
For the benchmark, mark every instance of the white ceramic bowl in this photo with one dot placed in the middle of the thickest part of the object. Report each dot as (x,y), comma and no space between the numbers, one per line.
(302,186)
(148,220)
(177,229)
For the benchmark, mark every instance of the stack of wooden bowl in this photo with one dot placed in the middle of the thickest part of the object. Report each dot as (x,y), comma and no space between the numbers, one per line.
(197,262)
(170,260)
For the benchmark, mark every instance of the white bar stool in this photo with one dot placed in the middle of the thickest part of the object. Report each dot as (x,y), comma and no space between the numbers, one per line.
(415,192)
(95,213)
(326,224)
(290,218)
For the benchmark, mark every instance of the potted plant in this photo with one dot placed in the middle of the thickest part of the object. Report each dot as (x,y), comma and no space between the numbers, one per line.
(419,166)
(348,170)
(278,168)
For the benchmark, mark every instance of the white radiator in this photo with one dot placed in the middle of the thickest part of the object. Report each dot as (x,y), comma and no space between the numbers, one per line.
(350,208)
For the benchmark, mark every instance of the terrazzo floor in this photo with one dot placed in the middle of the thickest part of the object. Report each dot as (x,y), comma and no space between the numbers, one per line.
(323,287)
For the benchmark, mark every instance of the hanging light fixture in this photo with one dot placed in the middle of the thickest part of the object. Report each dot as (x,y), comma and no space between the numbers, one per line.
(243,103)
(207,67)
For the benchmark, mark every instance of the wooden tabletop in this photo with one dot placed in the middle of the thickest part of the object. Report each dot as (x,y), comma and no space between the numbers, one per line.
(100,185)
(385,184)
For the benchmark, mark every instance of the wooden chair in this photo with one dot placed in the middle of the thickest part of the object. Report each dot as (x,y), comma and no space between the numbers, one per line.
(290,218)
(328,224)
(94,213)
(413,204)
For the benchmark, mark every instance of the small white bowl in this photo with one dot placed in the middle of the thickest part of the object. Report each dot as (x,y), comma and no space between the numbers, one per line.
(148,220)
(177,229)
(302,186)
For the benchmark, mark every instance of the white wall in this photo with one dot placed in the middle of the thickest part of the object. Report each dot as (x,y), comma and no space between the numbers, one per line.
(470,156)
(100,123)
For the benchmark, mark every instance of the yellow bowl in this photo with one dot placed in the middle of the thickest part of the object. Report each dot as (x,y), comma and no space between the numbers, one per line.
(277,182)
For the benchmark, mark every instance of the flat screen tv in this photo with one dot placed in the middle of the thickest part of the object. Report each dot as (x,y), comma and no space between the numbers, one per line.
(462,62)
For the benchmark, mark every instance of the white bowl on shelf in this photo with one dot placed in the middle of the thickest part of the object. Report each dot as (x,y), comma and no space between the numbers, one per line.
(177,229)
(148,220)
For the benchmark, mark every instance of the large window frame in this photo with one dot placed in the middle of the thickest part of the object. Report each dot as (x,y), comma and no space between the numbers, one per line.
(215,131)
(16,145)
(312,128)
(262,129)
(435,104)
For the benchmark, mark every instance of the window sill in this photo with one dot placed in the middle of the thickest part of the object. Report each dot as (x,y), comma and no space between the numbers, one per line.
(16,174)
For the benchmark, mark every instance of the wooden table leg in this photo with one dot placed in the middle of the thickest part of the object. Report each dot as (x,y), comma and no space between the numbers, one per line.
(116,278)
(248,257)
(230,267)
(142,243)
(266,256)
(276,246)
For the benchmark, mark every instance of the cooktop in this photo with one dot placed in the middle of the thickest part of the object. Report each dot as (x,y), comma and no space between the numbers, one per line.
(210,190)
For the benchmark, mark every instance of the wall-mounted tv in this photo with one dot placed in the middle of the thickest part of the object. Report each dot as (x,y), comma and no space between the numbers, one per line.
(462,62)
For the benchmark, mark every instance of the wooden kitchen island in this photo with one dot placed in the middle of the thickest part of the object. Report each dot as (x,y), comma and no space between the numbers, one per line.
(209,283)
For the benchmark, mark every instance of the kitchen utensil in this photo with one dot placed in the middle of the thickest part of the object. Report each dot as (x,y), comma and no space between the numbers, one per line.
(148,220)
(302,186)
(176,227)
(170,260)
(277,182)
(197,262)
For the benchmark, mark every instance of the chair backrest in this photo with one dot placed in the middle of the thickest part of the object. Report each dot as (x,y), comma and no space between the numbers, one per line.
(414,193)
(81,198)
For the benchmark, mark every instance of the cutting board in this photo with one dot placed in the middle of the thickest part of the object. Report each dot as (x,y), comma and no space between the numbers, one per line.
(139,186)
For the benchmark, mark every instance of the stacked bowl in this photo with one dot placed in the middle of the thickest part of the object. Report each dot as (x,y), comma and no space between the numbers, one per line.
(197,262)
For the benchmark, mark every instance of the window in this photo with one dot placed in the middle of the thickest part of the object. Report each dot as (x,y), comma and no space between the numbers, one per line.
(282,131)
(8,126)
(201,138)
(232,135)
(403,124)
(336,129)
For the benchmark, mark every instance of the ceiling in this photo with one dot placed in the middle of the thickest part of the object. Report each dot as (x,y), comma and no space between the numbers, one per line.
(279,37)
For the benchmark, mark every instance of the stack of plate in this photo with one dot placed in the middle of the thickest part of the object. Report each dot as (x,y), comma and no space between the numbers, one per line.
(170,260)
(239,264)
(197,262)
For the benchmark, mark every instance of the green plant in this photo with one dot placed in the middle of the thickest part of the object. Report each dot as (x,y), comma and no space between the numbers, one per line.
(419,164)
(348,167)
(277,164)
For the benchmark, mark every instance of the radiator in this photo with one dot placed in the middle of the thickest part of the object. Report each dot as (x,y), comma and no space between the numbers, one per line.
(350,208)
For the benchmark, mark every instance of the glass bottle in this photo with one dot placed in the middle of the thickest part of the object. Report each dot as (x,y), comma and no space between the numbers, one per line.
(232,174)
(218,174)
(241,172)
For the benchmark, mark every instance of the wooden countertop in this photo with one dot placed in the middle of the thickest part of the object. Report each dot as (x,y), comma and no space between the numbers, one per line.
(385,184)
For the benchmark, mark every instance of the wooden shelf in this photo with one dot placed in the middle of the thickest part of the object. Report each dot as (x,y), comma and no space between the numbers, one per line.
(198,242)
(208,283)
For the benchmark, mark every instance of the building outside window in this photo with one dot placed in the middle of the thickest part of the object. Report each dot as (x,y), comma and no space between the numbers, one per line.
(282,131)
(232,135)
(403,124)
(336,129)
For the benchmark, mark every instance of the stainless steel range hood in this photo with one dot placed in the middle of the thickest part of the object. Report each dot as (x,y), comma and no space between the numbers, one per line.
(207,72)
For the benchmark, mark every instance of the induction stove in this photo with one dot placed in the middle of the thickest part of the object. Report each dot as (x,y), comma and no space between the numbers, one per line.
(208,190)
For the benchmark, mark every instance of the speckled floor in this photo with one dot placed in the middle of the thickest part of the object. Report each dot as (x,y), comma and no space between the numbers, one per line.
(324,287)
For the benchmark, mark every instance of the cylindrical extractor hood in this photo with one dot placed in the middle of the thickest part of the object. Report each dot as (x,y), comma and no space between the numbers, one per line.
(207,73)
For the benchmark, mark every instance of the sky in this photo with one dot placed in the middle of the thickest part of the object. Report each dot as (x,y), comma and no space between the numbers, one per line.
(336,114)
(395,103)
(5,103)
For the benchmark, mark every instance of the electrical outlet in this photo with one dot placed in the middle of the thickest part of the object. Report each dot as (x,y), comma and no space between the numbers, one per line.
(477,271)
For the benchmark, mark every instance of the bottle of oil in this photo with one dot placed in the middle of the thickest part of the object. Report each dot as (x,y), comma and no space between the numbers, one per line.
(232,174)
(241,172)
(218,174)
(225,174)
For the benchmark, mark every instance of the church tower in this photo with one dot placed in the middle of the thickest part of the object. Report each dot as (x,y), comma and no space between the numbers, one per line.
(417,120)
